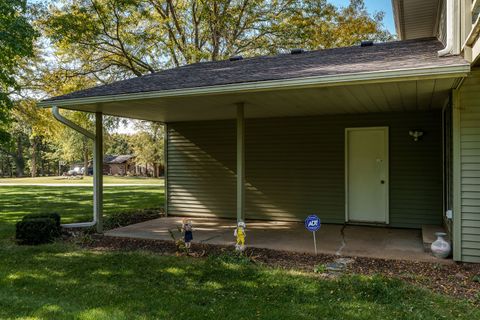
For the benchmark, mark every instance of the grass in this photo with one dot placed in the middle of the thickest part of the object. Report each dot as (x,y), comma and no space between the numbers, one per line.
(85,180)
(63,281)
(74,204)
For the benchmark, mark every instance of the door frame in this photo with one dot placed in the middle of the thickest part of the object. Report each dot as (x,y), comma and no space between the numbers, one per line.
(387,174)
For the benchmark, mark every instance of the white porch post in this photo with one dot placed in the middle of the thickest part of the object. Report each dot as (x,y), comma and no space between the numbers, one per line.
(240,162)
(98,172)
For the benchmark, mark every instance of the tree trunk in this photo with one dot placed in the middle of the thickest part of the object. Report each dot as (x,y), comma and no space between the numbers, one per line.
(19,160)
(33,159)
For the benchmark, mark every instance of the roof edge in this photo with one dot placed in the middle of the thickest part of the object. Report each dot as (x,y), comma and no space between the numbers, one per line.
(451,71)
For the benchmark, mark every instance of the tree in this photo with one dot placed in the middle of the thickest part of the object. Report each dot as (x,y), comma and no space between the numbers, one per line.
(117,144)
(16,43)
(136,37)
(147,144)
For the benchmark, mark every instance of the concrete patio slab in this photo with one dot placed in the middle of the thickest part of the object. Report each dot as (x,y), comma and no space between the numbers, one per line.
(362,241)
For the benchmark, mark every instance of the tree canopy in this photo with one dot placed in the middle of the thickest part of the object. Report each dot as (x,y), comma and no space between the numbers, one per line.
(16,42)
(62,46)
(135,37)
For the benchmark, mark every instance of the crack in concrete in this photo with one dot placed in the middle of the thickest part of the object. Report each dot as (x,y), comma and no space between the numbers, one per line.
(342,233)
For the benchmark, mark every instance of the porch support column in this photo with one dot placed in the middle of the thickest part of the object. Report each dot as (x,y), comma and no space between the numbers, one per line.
(240,162)
(98,172)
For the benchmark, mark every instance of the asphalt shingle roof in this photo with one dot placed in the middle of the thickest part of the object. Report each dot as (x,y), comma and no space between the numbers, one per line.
(111,159)
(409,54)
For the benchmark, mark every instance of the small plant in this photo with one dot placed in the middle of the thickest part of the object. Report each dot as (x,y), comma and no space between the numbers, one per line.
(320,268)
(476,278)
(236,257)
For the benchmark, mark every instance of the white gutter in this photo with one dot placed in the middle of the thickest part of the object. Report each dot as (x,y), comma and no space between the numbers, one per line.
(88,134)
(450,10)
(457,70)
(68,123)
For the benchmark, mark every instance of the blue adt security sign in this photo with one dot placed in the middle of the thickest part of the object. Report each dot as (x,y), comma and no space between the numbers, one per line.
(312,223)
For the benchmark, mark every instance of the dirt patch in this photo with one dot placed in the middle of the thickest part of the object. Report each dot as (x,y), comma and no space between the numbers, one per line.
(460,280)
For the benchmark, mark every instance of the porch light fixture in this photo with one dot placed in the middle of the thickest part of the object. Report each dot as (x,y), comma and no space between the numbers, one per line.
(415,134)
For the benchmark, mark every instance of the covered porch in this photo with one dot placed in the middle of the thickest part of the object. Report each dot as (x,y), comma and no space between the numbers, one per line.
(338,240)
(267,139)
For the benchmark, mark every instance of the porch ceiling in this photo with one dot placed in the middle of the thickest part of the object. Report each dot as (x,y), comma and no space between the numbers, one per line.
(359,98)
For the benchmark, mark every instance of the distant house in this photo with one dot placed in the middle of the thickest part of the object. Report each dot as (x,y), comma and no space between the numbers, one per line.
(119,165)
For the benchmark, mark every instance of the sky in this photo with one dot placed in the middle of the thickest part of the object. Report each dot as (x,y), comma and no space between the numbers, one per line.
(372,6)
(375,6)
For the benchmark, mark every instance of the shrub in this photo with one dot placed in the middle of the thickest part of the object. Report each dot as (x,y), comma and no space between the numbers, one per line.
(320,268)
(34,231)
(54,216)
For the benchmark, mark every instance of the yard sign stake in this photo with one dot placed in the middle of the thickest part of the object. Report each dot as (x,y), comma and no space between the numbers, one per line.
(312,223)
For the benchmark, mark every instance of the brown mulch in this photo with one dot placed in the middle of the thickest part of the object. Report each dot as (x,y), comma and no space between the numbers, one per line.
(455,279)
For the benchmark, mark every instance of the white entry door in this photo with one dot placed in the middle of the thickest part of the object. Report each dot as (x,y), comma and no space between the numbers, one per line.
(366,174)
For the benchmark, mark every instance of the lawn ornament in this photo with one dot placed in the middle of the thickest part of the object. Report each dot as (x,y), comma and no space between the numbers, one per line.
(187,230)
(240,234)
(440,247)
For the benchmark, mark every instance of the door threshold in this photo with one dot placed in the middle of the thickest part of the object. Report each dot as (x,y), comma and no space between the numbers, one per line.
(366,223)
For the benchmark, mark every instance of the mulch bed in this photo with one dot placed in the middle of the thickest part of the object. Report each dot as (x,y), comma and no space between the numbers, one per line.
(460,280)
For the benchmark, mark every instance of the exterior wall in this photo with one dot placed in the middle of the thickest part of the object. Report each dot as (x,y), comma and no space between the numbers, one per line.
(467,170)
(295,167)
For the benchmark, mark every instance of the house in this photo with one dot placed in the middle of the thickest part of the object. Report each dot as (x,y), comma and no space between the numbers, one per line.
(119,165)
(383,134)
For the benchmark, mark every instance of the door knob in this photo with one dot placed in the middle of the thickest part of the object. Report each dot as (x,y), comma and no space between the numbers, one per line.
(382,181)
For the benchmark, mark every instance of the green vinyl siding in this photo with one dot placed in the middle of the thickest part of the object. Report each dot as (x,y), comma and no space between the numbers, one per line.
(295,167)
(469,100)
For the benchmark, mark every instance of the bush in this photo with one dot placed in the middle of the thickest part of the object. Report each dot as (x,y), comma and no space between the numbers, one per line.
(54,216)
(34,231)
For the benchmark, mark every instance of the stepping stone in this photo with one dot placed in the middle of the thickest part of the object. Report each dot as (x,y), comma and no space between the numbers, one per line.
(339,265)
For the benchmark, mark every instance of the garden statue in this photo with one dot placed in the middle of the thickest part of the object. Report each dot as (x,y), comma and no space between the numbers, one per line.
(240,234)
(187,231)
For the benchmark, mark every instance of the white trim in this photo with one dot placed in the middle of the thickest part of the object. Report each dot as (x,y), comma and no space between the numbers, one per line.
(387,173)
(450,71)
(457,180)
(473,35)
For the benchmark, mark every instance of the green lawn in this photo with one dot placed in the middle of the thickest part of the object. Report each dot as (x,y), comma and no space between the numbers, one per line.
(63,281)
(86,180)
(73,203)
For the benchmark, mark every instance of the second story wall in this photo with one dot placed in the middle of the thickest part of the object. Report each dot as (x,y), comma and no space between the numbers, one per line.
(470,30)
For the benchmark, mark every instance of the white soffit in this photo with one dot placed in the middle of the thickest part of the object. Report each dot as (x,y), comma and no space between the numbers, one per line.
(404,96)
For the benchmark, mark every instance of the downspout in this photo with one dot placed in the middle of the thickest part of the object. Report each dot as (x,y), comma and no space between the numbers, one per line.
(97,156)
(450,17)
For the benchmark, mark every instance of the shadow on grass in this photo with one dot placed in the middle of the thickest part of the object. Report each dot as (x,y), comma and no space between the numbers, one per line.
(57,282)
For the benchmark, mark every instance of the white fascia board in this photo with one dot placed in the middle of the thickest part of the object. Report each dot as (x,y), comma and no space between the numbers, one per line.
(451,71)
